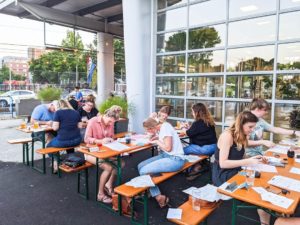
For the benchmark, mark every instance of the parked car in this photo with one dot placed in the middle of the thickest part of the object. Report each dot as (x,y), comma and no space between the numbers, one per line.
(12,96)
(85,93)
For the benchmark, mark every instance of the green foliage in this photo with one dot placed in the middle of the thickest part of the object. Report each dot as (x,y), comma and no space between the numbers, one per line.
(119,66)
(127,108)
(49,94)
(4,75)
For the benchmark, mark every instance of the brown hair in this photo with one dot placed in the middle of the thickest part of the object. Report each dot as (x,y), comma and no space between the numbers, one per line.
(165,109)
(150,123)
(201,113)
(63,104)
(113,112)
(259,103)
(90,98)
(236,128)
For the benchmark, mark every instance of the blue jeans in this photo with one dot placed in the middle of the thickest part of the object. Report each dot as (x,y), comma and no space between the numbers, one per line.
(200,150)
(64,144)
(159,164)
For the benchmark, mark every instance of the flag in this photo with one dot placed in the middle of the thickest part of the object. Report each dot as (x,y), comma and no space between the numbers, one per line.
(90,69)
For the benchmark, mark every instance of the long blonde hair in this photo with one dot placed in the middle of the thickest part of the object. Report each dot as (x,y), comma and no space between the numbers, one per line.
(237,131)
(63,104)
(113,112)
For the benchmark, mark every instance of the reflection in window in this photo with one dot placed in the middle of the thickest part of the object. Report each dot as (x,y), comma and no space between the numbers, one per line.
(215,108)
(252,31)
(240,8)
(251,59)
(288,56)
(249,86)
(284,4)
(170,64)
(286,116)
(287,86)
(207,37)
(170,86)
(161,4)
(169,19)
(174,41)
(289,24)
(205,62)
(202,13)
(205,86)
(177,106)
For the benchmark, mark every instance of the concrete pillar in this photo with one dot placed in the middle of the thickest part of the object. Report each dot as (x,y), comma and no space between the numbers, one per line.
(105,66)
(137,37)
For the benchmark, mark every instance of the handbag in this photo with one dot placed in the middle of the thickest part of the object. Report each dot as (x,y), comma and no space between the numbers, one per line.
(73,160)
(126,205)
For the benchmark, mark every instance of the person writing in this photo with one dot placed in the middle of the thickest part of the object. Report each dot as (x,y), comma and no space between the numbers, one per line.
(169,160)
(229,155)
(100,130)
(260,107)
(162,114)
(44,113)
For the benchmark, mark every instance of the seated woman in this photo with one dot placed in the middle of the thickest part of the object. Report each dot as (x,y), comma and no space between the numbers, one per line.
(229,156)
(170,158)
(162,114)
(202,134)
(100,130)
(66,122)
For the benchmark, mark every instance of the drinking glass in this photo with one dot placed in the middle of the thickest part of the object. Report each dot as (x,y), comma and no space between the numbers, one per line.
(250,175)
(35,125)
(196,200)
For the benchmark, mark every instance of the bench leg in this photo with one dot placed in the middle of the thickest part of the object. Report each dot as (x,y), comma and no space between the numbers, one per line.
(97,178)
(86,172)
(146,208)
(233,212)
(27,153)
(23,148)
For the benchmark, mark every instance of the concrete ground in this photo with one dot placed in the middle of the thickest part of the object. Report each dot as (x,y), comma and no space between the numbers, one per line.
(30,198)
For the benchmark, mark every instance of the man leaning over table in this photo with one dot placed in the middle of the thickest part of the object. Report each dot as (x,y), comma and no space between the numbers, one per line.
(260,107)
(44,113)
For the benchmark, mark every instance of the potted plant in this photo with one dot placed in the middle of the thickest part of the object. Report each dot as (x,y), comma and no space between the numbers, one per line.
(49,94)
(122,124)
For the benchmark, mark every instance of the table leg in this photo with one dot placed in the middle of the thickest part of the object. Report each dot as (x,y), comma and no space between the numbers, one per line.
(119,170)
(233,212)
(97,177)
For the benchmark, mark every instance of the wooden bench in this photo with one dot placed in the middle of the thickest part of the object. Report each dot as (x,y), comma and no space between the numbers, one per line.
(131,192)
(192,217)
(25,145)
(79,169)
(52,150)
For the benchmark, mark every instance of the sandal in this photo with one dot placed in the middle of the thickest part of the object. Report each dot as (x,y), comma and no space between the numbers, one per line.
(104,198)
(164,203)
(109,191)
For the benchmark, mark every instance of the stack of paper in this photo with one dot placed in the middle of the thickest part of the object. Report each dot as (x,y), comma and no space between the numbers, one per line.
(208,193)
(141,181)
(280,149)
(174,213)
(191,158)
(261,168)
(116,146)
(295,170)
(286,183)
(293,142)
(274,199)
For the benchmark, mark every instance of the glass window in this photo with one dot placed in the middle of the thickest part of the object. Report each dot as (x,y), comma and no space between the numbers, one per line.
(232,109)
(170,64)
(287,86)
(177,106)
(205,86)
(252,31)
(284,4)
(174,41)
(207,37)
(289,24)
(251,59)
(206,62)
(215,108)
(169,20)
(248,86)
(161,4)
(240,8)
(288,56)
(286,116)
(207,12)
(170,86)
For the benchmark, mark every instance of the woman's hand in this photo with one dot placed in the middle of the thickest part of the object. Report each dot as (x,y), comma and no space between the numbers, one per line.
(154,142)
(104,141)
(255,159)
(268,143)
(154,138)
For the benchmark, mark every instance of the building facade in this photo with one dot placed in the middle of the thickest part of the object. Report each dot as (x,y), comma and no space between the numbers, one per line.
(18,65)
(224,53)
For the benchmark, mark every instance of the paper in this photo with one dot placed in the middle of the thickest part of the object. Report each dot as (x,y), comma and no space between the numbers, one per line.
(277,200)
(141,181)
(297,160)
(190,190)
(285,183)
(280,149)
(208,193)
(140,139)
(190,158)
(259,190)
(116,146)
(295,170)
(174,213)
(293,142)
(261,168)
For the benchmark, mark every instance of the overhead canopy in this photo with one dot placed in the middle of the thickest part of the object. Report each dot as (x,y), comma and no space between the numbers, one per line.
(91,15)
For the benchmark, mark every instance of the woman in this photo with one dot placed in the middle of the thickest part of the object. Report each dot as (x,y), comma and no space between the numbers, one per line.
(66,122)
(260,107)
(162,114)
(202,135)
(169,160)
(229,156)
(100,130)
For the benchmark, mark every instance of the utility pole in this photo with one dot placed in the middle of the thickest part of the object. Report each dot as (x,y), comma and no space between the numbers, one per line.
(76,82)
(10,79)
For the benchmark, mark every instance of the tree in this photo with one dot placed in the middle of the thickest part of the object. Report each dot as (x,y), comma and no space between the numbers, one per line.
(119,66)
(4,75)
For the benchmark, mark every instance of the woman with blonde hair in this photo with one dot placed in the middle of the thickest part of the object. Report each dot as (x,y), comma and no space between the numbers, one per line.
(169,160)
(100,130)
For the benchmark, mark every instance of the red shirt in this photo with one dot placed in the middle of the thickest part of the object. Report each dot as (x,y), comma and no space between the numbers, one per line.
(96,129)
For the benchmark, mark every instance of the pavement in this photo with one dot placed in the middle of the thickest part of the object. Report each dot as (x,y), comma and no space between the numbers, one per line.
(30,198)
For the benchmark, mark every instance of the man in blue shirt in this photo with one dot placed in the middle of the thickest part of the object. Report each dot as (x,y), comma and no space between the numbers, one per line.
(44,113)
(78,95)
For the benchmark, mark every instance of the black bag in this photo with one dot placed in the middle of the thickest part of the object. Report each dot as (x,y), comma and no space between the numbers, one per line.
(74,160)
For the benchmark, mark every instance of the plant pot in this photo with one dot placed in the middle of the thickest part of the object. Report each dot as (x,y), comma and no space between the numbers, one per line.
(121,125)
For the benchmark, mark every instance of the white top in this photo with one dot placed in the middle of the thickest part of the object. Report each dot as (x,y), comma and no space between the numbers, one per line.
(166,130)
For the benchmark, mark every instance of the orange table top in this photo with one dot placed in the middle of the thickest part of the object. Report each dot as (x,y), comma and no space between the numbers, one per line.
(31,130)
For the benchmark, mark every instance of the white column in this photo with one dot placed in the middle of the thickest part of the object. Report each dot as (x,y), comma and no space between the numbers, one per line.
(137,37)
(105,66)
